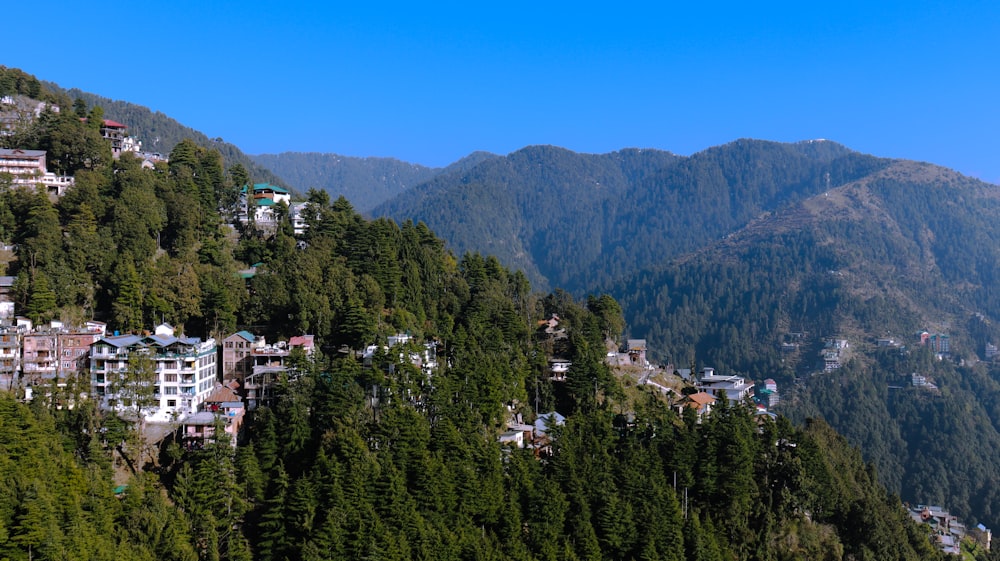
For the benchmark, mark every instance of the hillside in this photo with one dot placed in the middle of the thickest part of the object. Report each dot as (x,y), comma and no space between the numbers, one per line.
(161,133)
(911,247)
(365,182)
(577,220)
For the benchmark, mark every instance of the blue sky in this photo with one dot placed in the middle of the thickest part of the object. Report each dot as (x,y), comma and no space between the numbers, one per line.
(432,83)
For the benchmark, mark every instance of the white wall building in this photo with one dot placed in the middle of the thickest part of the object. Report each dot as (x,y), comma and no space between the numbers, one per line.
(735,388)
(185,372)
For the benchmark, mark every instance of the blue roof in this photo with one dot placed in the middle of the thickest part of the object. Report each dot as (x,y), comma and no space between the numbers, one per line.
(547,420)
(246,335)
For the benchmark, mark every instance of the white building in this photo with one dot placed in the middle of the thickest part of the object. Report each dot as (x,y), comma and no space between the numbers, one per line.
(28,168)
(185,372)
(735,388)
(259,203)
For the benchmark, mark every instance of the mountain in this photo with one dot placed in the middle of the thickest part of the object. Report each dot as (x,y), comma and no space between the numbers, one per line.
(719,258)
(365,182)
(908,248)
(578,220)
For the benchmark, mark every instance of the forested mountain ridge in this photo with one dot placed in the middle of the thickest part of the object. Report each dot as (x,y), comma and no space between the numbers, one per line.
(908,248)
(575,220)
(365,182)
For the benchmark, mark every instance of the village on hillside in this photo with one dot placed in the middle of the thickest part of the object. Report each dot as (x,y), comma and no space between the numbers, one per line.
(188,389)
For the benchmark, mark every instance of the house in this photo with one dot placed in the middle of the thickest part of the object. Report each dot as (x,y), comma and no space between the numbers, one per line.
(559,367)
(223,407)
(10,354)
(636,348)
(305,342)
(940,343)
(267,364)
(700,402)
(734,388)
(114,133)
(185,371)
(24,165)
(513,438)
(258,203)
(236,362)
(768,396)
(546,421)
(28,169)
(297,213)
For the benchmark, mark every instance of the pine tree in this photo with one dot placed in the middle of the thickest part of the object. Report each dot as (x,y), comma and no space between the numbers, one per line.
(42,304)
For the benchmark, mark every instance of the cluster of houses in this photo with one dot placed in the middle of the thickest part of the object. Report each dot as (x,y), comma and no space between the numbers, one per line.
(28,168)
(190,376)
(947,531)
(834,353)
(709,387)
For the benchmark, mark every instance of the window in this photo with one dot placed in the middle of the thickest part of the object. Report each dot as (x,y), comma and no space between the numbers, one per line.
(170,377)
(170,390)
(171,403)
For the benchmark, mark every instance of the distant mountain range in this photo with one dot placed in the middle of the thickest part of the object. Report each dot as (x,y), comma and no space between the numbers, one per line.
(365,182)
(576,221)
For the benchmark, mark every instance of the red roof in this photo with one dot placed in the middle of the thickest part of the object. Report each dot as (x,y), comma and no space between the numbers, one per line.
(301,341)
(113,124)
(222,394)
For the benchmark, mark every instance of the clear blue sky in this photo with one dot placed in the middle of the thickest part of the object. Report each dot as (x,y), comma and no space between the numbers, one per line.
(430,83)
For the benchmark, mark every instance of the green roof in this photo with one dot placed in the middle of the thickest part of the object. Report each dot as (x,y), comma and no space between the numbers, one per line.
(265,202)
(268,186)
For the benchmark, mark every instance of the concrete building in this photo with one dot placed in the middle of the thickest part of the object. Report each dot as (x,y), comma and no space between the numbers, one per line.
(734,388)
(185,372)
(236,361)
(57,352)
(10,355)
(28,169)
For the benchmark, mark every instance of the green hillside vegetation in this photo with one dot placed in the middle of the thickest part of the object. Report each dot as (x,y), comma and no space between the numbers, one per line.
(575,221)
(365,182)
(912,247)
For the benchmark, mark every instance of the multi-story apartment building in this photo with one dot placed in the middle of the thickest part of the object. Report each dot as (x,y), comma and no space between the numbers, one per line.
(236,361)
(28,168)
(184,372)
(114,133)
(268,362)
(56,352)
